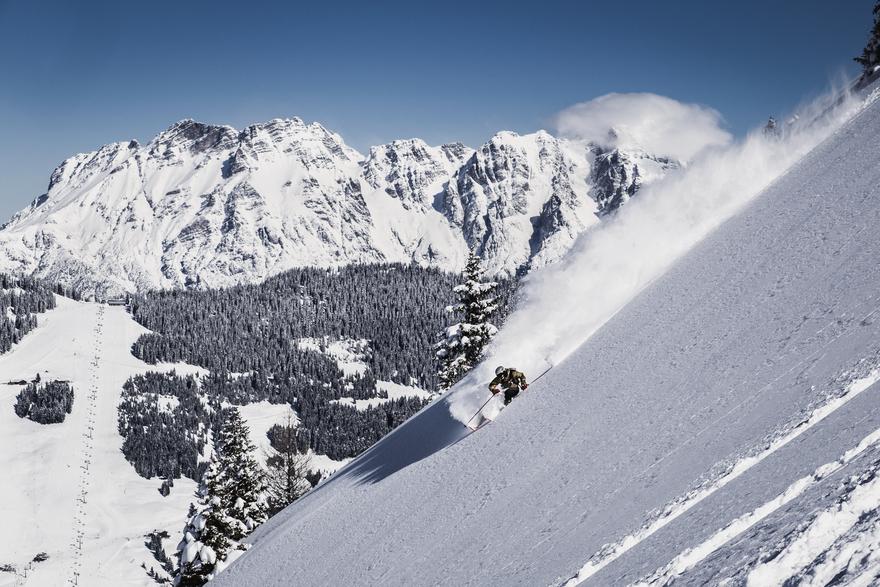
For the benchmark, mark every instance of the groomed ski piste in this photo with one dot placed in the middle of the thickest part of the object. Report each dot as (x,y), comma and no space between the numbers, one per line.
(713,416)
(66,488)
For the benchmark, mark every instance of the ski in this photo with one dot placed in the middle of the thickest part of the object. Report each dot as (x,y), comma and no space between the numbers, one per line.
(481,424)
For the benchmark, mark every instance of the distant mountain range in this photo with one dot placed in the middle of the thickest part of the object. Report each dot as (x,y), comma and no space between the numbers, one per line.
(203,205)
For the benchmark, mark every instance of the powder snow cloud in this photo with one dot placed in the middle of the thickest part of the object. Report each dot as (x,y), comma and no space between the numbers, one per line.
(655,123)
(558,307)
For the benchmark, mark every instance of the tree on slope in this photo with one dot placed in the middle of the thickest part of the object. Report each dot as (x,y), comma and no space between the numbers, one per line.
(870,56)
(287,475)
(461,345)
(232,504)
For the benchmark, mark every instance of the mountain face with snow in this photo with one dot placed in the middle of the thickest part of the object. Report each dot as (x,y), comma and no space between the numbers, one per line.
(203,205)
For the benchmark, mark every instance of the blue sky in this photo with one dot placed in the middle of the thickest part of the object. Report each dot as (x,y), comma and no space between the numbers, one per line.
(76,75)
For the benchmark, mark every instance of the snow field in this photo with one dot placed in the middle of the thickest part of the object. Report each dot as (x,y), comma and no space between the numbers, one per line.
(261,416)
(348,353)
(393,390)
(767,576)
(67,490)
(611,552)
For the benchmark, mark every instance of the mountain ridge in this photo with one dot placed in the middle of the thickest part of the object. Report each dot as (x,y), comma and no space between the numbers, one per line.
(204,205)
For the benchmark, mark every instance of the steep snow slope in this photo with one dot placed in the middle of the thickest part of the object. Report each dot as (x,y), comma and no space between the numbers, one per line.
(205,205)
(720,406)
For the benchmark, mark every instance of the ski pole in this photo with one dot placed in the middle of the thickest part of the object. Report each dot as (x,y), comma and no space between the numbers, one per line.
(542,374)
(480,410)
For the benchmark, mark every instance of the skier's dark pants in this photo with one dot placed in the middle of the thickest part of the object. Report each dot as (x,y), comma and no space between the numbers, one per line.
(510,393)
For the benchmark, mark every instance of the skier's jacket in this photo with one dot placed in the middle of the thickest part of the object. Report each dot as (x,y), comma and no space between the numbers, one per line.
(507,379)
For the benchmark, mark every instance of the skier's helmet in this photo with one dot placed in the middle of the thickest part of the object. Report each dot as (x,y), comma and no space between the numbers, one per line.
(499,370)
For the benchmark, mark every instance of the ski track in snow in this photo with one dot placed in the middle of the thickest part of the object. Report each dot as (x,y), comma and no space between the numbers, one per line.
(819,537)
(827,528)
(611,552)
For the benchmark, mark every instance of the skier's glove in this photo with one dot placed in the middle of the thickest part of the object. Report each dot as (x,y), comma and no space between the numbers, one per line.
(525,386)
(494,390)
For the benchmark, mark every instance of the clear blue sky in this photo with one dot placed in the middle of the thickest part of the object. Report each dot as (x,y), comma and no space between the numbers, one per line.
(79,74)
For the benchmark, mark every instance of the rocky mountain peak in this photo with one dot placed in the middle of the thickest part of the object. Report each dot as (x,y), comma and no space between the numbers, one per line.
(190,137)
(313,146)
(618,174)
(456,152)
(410,169)
(206,205)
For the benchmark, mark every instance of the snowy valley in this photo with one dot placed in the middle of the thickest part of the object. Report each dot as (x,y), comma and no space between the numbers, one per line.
(141,408)
(67,488)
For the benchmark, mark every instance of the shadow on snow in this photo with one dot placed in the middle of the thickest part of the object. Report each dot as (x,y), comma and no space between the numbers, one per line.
(426,433)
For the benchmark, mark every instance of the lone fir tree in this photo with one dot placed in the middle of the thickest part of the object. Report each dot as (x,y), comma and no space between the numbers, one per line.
(461,345)
(232,504)
(870,57)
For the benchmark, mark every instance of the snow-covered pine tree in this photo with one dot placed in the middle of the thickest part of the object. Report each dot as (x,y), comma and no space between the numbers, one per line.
(870,57)
(461,345)
(232,500)
(195,561)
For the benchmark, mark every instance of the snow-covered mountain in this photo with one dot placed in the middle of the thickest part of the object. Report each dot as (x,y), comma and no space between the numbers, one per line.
(205,205)
(722,427)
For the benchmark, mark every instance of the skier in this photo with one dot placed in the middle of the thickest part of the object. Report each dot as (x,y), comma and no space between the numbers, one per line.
(510,380)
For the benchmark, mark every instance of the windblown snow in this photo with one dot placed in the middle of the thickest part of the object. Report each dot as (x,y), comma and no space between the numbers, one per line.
(713,419)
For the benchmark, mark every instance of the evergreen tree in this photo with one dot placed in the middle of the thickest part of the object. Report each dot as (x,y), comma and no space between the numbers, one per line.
(45,404)
(461,345)
(287,469)
(21,299)
(232,500)
(870,56)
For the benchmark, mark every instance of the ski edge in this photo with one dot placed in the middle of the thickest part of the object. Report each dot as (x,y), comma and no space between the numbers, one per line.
(483,423)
